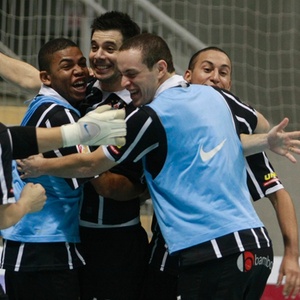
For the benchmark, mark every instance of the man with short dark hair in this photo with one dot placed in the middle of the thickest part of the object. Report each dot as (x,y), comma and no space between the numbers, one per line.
(41,253)
(212,66)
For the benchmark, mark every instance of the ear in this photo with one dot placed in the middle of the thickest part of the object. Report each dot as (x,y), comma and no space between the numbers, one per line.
(188,76)
(162,68)
(45,78)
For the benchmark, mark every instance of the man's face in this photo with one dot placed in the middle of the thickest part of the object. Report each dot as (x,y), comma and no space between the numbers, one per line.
(103,55)
(141,82)
(211,68)
(68,74)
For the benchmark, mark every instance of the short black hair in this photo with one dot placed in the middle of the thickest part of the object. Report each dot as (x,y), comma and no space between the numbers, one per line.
(115,20)
(47,50)
(193,59)
(153,49)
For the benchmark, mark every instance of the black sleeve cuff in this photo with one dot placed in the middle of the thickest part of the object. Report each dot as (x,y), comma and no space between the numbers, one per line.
(24,141)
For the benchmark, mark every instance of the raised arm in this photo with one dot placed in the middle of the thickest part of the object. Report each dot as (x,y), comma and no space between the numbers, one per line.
(102,126)
(20,73)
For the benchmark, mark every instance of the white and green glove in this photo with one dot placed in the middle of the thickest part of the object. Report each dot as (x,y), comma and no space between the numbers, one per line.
(102,126)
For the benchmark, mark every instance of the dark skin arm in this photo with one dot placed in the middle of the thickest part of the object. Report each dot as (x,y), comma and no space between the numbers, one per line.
(116,186)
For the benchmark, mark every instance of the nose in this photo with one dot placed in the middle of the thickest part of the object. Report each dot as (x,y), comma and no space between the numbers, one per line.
(79,70)
(215,76)
(99,53)
(125,81)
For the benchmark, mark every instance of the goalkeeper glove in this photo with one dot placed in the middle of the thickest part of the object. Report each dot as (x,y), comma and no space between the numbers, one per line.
(102,126)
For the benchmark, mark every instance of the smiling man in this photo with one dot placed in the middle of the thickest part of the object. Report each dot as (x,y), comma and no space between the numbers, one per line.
(41,255)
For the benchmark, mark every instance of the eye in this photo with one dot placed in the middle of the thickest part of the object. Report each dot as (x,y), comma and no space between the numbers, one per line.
(66,66)
(111,49)
(130,75)
(94,48)
(207,70)
(82,65)
(223,73)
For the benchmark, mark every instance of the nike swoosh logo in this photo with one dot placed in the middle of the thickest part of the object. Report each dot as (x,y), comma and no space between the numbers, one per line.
(85,126)
(205,156)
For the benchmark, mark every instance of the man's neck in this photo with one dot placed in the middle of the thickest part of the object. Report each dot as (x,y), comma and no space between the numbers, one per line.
(110,87)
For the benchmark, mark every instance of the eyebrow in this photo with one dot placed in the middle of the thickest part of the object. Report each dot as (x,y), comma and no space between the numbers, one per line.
(112,42)
(65,60)
(70,60)
(130,71)
(209,62)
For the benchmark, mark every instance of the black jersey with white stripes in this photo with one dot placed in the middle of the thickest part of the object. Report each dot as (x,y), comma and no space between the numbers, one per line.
(15,142)
(261,176)
(100,212)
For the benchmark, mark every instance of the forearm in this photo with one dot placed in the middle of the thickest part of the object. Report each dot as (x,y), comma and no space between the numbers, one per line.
(103,126)
(30,140)
(277,140)
(287,220)
(49,138)
(10,214)
(80,165)
(69,166)
(20,73)
(254,143)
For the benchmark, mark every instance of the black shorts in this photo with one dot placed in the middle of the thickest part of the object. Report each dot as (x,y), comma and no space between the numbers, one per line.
(239,276)
(116,261)
(159,285)
(46,285)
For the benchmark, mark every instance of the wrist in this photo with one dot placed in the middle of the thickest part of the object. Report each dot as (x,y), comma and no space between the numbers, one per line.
(70,135)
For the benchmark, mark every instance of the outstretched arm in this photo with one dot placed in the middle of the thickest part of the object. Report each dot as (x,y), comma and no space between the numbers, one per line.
(276,140)
(78,165)
(102,126)
(287,220)
(20,73)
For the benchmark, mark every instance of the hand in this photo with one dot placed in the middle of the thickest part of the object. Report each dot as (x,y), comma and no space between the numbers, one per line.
(290,269)
(102,126)
(33,197)
(30,167)
(283,143)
